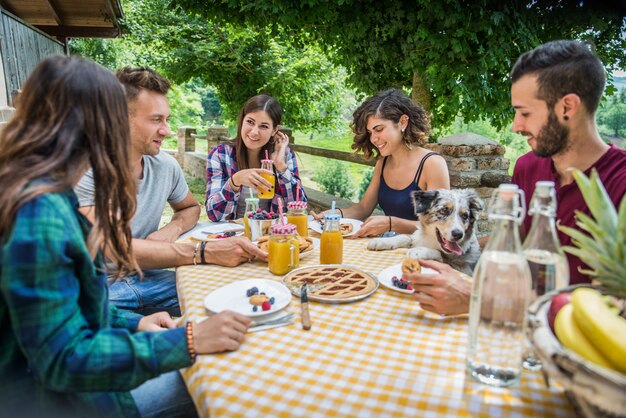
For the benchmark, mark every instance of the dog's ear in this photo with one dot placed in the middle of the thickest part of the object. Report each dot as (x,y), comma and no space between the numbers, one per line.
(423,200)
(475,203)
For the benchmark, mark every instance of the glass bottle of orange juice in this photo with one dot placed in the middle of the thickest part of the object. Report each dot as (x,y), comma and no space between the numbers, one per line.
(267,165)
(297,215)
(331,246)
(252,204)
(284,251)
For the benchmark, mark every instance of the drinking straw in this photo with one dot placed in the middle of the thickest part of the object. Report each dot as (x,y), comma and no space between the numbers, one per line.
(267,157)
(251,194)
(333,207)
(280,211)
(297,192)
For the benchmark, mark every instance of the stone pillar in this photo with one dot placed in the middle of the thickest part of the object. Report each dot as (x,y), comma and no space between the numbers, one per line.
(216,134)
(475,162)
(186,142)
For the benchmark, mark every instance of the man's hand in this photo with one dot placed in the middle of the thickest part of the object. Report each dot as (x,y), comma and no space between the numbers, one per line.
(445,293)
(159,321)
(222,332)
(231,252)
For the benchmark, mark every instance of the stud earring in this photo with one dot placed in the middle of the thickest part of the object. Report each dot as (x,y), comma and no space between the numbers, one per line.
(402,130)
(565,117)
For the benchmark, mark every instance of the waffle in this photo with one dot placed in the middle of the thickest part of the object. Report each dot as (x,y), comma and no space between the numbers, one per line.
(332,283)
(306,243)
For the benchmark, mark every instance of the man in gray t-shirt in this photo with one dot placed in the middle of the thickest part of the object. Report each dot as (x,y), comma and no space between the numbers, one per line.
(159,180)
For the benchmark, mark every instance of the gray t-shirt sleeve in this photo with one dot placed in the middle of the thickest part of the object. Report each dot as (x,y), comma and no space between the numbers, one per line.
(85,190)
(179,185)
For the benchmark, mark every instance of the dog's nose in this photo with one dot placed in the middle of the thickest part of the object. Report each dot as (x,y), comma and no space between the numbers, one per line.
(457,234)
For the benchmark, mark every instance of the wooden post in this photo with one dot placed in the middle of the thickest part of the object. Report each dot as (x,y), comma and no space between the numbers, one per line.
(186,143)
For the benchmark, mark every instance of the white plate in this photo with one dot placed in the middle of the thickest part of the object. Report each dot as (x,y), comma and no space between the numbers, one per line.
(385,276)
(356,225)
(200,234)
(233,297)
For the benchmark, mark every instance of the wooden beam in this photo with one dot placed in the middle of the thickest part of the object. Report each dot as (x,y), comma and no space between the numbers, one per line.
(79,31)
(54,9)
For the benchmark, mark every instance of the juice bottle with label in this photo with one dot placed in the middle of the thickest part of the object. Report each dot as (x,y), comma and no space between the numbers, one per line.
(284,251)
(331,245)
(267,165)
(252,204)
(296,215)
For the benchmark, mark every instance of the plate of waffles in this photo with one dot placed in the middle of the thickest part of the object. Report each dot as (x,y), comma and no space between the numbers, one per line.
(332,283)
(348,226)
(307,245)
(243,296)
(385,277)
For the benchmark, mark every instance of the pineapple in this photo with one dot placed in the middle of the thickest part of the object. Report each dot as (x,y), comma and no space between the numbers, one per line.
(604,249)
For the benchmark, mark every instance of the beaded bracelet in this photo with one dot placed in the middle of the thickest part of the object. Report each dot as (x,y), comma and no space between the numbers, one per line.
(195,253)
(189,334)
(202,246)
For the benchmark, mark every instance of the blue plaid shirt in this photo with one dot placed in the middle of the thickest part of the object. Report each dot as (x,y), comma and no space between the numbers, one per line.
(221,199)
(64,350)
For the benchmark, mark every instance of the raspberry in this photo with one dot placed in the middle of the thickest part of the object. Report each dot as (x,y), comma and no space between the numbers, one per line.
(270,214)
(250,215)
(266,306)
(408,287)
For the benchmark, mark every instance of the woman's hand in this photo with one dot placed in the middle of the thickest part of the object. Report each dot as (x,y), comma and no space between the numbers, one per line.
(251,177)
(373,227)
(281,142)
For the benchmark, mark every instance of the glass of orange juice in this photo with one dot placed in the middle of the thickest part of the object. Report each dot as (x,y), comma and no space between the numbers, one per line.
(267,165)
(296,215)
(331,241)
(284,251)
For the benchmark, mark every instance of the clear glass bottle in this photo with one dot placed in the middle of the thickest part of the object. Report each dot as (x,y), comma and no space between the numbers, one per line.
(331,241)
(500,294)
(252,204)
(547,262)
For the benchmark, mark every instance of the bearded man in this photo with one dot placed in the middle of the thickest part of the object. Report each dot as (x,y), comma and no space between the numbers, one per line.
(555,91)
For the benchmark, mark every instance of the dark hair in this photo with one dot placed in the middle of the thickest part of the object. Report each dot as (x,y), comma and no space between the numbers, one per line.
(390,104)
(71,114)
(564,67)
(260,102)
(136,79)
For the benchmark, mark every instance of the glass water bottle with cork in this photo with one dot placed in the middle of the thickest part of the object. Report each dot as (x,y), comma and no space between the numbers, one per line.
(331,241)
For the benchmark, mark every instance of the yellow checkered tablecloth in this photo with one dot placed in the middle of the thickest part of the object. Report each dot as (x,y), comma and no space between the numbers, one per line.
(382,356)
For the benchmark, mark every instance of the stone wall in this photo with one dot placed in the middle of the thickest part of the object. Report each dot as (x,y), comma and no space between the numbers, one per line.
(473,161)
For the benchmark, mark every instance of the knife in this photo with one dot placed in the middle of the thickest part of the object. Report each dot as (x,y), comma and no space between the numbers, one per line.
(304,309)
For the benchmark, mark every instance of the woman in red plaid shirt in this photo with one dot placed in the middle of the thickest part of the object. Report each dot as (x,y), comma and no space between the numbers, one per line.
(234,169)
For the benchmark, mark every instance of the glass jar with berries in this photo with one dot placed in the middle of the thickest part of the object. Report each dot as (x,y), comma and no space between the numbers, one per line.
(260,223)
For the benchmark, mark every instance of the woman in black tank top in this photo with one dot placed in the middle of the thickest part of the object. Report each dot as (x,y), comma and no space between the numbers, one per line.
(390,125)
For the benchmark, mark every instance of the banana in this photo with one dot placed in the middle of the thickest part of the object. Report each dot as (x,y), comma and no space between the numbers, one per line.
(605,330)
(572,337)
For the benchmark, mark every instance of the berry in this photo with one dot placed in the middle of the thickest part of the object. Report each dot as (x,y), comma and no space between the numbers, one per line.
(266,306)
(272,300)
(252,291)
(262,293)
(250,215)
(270,214)
(258,211)
(254,308)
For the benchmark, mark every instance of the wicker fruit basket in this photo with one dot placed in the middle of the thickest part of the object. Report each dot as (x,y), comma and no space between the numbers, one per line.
(592,390)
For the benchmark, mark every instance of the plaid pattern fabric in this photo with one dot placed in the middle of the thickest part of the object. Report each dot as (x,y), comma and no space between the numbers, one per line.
(379,357)
(221,199)
(65,350)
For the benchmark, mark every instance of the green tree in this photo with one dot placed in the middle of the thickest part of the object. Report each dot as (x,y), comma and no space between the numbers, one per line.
(612,113)
(334,179)
(454,55)
(365,182)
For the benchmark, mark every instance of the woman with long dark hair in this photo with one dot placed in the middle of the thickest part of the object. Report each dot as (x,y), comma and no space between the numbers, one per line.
(65,350)
(233,170)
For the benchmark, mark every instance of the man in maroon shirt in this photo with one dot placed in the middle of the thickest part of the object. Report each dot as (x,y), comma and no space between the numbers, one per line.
(555,92)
